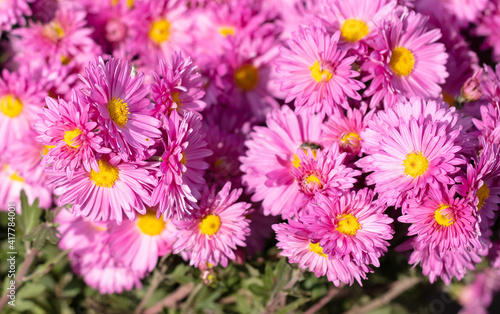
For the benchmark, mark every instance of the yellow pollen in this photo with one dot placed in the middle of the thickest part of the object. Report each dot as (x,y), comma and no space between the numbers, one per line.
(348,224)
(353,30)
(315,179)
(349,137)
(319,74)
(316,248)
(296,160)
(106,176)
(16,177)
(160,31)
(69,137)
(226,31)
(415,164)
(176,99)
(402,61)
(130,4)
(482,194)
(443,220)
(11,106)
(246,77)
(149,224)
(118,111)
(183,159)
(65,60)
(53,31)
(47,148)
(210,225)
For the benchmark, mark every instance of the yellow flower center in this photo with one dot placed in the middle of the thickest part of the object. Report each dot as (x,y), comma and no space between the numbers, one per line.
(296,160)
(415,164)
(226,31)
(47,148)
(402,61)
(316,248)
(482,194)
(183,159)
(315,179)
(149,224)
(176,99)
(106,176)
(11,106)
(16,177)
(246,77)
(210,225)
(65,60)
(349,137)
(53,31)
(319,74)
(348,224)
(130,3)
(118,111)
(353,30)
(160,31)
(69,136)
(442,219)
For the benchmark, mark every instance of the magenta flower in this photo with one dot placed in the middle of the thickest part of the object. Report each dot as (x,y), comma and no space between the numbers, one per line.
(182,166)
(322,172)
(67,129)
(293,240)
(117,188)
(21,99)
(212,234)
(407,61)
(123,111)
(178,86)
(443,222)
(13,12)
(138,244)
(271,156)
(352,226)
(316,73)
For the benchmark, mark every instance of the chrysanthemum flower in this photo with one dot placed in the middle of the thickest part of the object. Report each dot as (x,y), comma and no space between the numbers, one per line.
(60,40)
(90,255)
(65,127)
(351,226)
(182,166)
(11,185)
(408,61)
(117,188)
(356,20)
(346,129)
(124,119)
(138,244)
(271,156)
(487,27)
(412,157)
(159,28)
(26,156)
(481,186)
(12,12)
(322,172)
(211,236)
(443,222)
(293,239)
(316,73)
(21,99)
(177,86)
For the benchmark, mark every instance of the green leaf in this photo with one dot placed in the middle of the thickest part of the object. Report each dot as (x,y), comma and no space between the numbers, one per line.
(41,234)
(30,290)
(30,214)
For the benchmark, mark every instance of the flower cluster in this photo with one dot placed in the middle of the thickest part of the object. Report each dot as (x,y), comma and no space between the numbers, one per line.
(176,127)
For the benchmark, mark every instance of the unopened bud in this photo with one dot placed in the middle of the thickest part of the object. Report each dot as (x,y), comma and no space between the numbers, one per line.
(471,91)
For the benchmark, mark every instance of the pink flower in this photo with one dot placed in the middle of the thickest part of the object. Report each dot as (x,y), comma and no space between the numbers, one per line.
(316,73)
(117,188)
(182,166)
(212,234)
(12,13)
(138,244)
(295,243)
(122,109)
